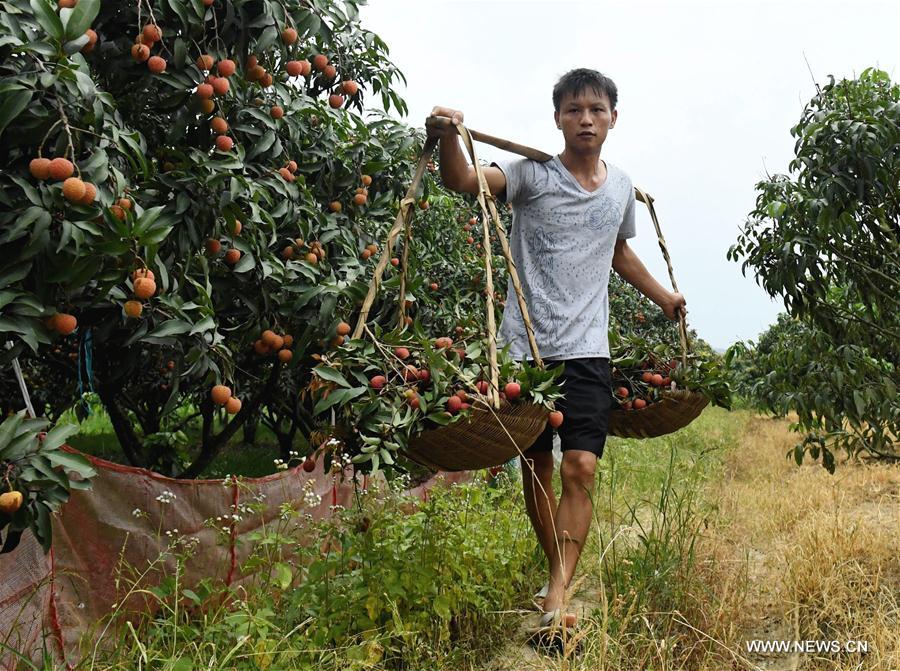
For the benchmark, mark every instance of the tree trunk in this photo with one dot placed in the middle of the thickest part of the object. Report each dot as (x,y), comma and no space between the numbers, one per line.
(250,428)
(122,425)
(211,444)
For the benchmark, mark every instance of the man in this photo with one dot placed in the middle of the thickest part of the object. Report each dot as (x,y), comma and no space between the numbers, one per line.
(571,219)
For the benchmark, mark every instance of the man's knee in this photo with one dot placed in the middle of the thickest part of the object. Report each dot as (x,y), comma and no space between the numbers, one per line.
(578,469)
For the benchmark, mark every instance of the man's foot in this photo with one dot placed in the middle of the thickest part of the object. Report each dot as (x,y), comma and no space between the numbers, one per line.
(540,595)
(557,619)
(555,629)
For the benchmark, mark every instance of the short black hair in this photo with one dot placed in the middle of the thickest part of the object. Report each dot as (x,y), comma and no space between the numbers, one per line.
(577,80)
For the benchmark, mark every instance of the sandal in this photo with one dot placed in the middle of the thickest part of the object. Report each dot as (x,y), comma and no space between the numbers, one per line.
(540,595)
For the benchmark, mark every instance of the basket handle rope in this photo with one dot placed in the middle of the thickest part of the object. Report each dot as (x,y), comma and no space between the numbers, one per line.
(489,214)
(402,221)
(647,199)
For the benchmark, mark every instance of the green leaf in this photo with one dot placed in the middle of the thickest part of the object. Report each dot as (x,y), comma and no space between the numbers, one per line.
(24,223)
(72,462)
(439,418)
(42,527)
(85,84)
(19,446)
(828,460)
(192,595)
(57,436)
(131,148)
(147,219)
(267,38)
(262,145)
(171,327)
(9,428)
(205,324)
(49,20)
(247,262)
(331,375)
(156,236)
(283,575)
(12,104)
(179,8)
(441,606)
(335,397)
(43,466)
(860,403)
(82,17)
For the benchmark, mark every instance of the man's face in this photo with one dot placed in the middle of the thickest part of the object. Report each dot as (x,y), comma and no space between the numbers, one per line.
(585,120)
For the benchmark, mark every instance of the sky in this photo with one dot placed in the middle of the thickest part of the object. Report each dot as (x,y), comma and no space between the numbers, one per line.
(708,93)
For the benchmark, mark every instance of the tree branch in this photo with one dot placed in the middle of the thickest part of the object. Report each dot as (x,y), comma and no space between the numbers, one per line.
(185,422)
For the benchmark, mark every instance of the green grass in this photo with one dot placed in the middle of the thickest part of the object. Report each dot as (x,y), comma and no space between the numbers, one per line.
(95,436)
(379,588)
(641,561)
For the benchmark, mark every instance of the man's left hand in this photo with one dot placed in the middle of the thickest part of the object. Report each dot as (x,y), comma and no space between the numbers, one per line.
(674,306)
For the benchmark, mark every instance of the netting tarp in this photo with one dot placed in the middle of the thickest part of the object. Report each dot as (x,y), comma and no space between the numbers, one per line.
(129,518)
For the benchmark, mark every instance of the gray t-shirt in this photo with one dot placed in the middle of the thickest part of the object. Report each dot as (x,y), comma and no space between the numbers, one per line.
(562,241)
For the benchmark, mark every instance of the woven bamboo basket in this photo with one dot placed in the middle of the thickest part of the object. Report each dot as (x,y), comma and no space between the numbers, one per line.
(677,408)
(483,439)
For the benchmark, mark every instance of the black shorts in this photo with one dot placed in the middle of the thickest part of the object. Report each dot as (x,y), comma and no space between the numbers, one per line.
(585,405)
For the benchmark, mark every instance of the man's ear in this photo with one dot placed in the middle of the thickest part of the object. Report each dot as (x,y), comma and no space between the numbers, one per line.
(615,115)
(556,119)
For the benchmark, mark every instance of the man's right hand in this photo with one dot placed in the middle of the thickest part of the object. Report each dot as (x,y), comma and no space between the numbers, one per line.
(441,122)
(456,174)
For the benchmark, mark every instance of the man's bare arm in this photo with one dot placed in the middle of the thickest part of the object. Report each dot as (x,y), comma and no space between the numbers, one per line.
(632,270)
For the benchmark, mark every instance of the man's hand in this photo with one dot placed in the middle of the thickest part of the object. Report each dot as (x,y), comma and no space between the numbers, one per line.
(456,173)
(674,305)
(435,126)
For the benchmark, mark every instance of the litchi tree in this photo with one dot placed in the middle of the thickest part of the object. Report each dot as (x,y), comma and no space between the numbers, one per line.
(189,192)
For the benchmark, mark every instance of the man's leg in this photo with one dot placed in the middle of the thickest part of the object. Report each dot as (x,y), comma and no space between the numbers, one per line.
(540,499)
(573,521)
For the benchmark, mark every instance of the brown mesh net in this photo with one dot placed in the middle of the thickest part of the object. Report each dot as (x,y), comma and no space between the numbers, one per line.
(53,600)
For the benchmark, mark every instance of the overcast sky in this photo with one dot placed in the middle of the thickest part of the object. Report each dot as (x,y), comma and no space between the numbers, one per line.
(708,92)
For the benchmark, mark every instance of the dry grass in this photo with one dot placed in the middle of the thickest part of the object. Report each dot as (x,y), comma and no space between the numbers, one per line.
(782,553)
(823,551)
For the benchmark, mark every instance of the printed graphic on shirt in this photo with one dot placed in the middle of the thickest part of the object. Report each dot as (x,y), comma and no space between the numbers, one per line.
(541,244)
(546,318)
(604,215)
